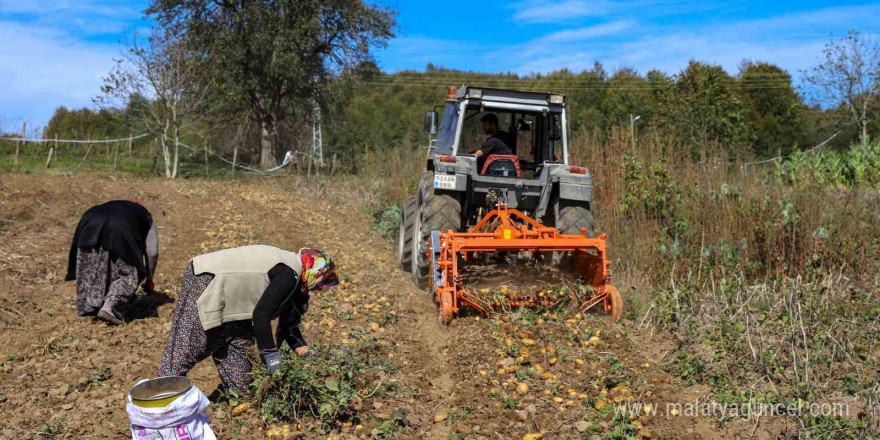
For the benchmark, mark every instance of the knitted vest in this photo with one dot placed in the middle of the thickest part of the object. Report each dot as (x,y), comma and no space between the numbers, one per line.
(240,276)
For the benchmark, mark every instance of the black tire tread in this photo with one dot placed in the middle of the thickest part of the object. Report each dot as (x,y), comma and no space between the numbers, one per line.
(441,212)
(572,219)
(407,215)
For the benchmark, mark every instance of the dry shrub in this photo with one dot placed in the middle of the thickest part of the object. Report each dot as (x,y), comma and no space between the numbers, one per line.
(661,210)
(769,286)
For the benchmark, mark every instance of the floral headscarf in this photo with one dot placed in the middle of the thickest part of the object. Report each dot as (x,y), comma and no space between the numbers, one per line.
(319,272)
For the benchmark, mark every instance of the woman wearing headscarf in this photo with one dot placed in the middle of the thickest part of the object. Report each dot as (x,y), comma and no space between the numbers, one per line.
(115,248)
(228,300)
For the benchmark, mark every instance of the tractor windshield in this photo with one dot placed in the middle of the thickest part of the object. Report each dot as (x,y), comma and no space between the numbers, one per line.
(534,137)
(448,124)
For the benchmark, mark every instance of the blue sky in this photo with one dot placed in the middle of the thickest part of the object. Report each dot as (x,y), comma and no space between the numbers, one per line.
(54,52)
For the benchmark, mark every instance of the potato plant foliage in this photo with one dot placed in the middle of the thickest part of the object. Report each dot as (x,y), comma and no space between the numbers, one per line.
(328,386)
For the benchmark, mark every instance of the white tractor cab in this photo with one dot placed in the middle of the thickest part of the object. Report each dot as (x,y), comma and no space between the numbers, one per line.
(457,188)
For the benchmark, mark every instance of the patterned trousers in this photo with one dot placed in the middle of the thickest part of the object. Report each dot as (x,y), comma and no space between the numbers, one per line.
(188,343)
(101,282)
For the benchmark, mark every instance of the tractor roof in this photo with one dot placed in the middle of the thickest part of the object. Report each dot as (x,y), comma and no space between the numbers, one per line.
(516,97)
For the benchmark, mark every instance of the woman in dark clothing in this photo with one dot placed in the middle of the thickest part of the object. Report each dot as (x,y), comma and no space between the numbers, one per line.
(228,300)
(115,248)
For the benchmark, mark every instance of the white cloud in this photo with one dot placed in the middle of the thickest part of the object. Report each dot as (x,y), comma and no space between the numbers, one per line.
(553,11)
(85,18)
(568,11)
(575,49)
(55,52)
(41,69)
(78,7)
(792,41)
(672,53)
(586,32)
(574,61)
(810,23)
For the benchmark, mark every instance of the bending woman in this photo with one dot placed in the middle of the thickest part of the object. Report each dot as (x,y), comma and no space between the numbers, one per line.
(114,248)
(228,299)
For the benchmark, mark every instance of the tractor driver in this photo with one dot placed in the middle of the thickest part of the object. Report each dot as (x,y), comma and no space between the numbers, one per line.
(496,142)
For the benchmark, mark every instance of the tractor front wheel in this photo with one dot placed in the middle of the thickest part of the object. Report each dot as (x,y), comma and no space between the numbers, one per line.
(613,302)
(405,232)
(437,211)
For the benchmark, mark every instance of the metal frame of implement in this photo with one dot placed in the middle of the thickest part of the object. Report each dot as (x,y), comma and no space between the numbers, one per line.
(498,231)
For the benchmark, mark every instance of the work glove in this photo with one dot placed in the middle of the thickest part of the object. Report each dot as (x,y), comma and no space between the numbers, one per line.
(273,361)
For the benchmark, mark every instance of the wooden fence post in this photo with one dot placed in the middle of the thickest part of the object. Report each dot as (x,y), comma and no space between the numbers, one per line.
(234,159)
(116,155)
(207,172)
(51,150)
(129,145)
(18,143)
(88,148)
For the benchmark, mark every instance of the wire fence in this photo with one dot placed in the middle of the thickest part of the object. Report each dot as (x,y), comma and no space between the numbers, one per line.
(772,159)
(143,152)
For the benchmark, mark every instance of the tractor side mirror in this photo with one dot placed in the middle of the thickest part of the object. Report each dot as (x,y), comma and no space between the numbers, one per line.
(431,122)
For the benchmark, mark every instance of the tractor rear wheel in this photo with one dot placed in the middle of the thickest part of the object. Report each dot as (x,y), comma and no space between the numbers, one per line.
(613,302)
(572,218)
(437,211)
(405,232)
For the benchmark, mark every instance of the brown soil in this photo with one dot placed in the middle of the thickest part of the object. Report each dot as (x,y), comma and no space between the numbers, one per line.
(66,377)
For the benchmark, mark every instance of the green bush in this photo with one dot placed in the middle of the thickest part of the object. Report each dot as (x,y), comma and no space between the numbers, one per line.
(387,221)
(859,165)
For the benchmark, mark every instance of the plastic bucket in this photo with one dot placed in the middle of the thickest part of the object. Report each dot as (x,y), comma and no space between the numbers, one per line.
(159,392)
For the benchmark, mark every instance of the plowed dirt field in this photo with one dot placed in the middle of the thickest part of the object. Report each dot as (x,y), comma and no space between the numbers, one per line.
(503,377)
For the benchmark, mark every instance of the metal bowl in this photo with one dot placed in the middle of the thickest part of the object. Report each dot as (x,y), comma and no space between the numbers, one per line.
(160,388)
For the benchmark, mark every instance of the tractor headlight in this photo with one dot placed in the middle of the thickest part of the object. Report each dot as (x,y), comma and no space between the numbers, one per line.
(557,99)
(475,93)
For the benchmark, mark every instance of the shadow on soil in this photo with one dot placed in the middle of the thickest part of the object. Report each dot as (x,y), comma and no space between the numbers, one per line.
(147,305)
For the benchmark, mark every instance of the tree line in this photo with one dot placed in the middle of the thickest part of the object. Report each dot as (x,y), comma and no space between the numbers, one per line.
(254,76)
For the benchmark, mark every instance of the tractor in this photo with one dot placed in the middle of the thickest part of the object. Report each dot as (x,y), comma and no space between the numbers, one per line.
(528,201)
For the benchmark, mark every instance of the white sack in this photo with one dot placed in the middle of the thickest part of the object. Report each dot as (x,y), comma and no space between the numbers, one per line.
(183,419)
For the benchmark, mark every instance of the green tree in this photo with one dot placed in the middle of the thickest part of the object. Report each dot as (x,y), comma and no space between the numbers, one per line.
(629,94)
(586,91)
(775,110)
(273,57)
(703,110)
(85,123)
